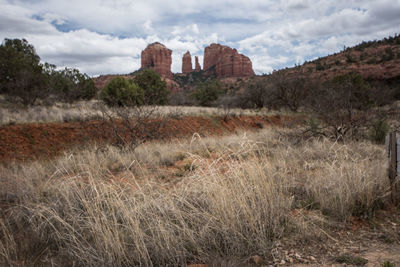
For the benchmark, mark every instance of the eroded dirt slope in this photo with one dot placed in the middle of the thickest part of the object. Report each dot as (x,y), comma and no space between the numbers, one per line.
(45,140)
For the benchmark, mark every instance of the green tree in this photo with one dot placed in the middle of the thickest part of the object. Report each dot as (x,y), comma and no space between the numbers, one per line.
(70,85)
(207,92)
(154,88)
(22,76)
(121,92)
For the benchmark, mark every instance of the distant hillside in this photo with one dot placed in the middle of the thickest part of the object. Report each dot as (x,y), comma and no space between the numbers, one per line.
(376,61)
(373,60)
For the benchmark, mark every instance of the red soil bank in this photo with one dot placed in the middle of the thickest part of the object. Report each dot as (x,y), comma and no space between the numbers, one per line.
(46,140)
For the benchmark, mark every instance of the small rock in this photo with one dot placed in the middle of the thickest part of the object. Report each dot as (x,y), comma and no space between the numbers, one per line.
(312,258)
(291,260)
(256,259)
(297,255)
(282,262)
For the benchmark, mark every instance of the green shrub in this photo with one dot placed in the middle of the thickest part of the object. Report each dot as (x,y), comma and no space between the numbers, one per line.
(207,92)
(314,127)
(351,259)
(388,264)
(121,92)
(154,89)
(318,66)
(350,59)
(378,131)
(70,85)
(388,55)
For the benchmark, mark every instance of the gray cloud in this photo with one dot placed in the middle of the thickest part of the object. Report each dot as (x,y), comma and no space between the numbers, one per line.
(298,4)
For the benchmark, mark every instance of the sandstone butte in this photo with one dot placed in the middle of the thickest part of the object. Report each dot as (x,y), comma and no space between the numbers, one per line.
(220,60)
(197,64)
(226,62)
(187,63)
(158,57)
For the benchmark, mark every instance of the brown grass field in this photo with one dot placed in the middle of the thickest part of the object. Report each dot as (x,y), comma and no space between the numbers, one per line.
(247,199)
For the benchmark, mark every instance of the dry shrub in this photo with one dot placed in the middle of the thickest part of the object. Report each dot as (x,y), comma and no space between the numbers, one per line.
(83,210)
(350,181)
(8,246)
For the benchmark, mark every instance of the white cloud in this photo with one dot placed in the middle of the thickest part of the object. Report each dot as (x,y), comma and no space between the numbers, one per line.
(148,26)
(101,37)
(195,29)
(265,63)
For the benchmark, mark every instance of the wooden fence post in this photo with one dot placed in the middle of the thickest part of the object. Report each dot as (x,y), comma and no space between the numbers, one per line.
(394,169)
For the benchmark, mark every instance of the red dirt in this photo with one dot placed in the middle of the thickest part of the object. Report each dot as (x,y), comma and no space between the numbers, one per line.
(46,140)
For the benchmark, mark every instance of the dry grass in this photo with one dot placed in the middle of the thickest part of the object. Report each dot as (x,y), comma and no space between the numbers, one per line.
(63,112)
(236,197)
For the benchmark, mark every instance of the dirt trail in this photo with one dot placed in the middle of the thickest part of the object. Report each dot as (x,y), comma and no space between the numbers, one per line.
(46,140)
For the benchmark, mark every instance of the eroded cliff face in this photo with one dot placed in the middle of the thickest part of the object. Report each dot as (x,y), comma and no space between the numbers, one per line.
(158,57)
(197,64)
(187,63)
(226,62)
(211,56)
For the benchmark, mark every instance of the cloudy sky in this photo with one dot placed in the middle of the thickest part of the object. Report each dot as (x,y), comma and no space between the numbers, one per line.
(107,36)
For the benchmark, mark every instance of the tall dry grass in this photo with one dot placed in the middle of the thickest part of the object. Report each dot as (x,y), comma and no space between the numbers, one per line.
(236,197)
(83,110)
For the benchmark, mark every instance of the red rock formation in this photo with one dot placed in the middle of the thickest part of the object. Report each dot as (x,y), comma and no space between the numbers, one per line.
(211,55)
(197,66)
(233,64)
(187,63)
(226,62)
(158,57)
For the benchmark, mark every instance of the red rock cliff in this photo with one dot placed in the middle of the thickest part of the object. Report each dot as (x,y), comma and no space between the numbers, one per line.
(226,61)
(197,64)
(158,57)
(187,63)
